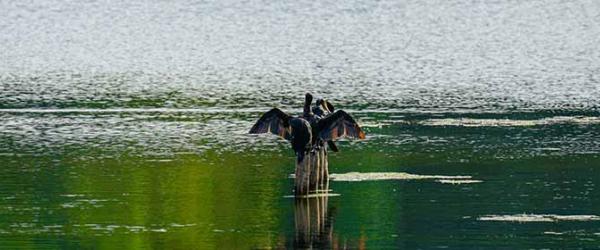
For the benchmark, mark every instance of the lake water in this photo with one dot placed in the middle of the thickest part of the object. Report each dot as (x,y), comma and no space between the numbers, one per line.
(124,124)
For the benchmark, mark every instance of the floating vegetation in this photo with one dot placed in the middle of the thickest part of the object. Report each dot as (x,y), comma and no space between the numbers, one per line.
(457,182)
(375,176)
(579,232)
(553,233)
(312,195)
(33,228)
(470,122)
(159,160)
(538,218)
(72,195)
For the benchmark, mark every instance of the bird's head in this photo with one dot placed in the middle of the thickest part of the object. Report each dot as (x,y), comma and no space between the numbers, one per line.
(308,98)
(307,101)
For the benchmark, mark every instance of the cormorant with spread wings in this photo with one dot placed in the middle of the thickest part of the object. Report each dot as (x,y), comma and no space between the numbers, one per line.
(304,132)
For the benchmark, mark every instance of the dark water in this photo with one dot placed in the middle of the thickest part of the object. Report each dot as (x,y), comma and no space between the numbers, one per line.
(123,125)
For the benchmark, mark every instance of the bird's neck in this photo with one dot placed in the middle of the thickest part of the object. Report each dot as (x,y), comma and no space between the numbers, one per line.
(307,112)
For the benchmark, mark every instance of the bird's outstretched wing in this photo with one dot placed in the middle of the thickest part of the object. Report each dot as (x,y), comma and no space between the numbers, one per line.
(275,121)
(337,125)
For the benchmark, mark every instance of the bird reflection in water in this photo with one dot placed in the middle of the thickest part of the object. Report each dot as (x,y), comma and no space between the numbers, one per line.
(314,221)
(314,227)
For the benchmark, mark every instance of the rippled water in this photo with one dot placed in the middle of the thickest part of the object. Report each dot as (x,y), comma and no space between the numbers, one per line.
(124,124)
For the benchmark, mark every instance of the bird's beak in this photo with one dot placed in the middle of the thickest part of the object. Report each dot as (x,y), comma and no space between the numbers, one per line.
(325,106)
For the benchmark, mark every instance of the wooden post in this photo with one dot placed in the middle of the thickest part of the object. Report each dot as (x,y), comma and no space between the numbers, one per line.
(301,182)
(314,171)
(312,174)
(324,170)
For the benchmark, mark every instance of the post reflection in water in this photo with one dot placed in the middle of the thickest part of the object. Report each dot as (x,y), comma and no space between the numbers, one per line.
(313,224)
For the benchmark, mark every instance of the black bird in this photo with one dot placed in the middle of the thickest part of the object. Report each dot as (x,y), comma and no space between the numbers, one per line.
(322,109)
(305,131)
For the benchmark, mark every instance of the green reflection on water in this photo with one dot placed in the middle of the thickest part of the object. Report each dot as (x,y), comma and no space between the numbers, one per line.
(226,199)
(217,201)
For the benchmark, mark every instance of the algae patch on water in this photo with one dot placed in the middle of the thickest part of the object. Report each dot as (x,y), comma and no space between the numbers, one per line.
(375,176)
(538,218)
(380,176)
(471,122)
(458,182)
(314,195)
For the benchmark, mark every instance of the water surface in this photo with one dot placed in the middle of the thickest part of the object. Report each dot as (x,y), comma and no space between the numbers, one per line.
(124,125)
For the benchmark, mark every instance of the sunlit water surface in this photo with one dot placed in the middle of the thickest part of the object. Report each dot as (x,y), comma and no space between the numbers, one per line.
(125,124)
